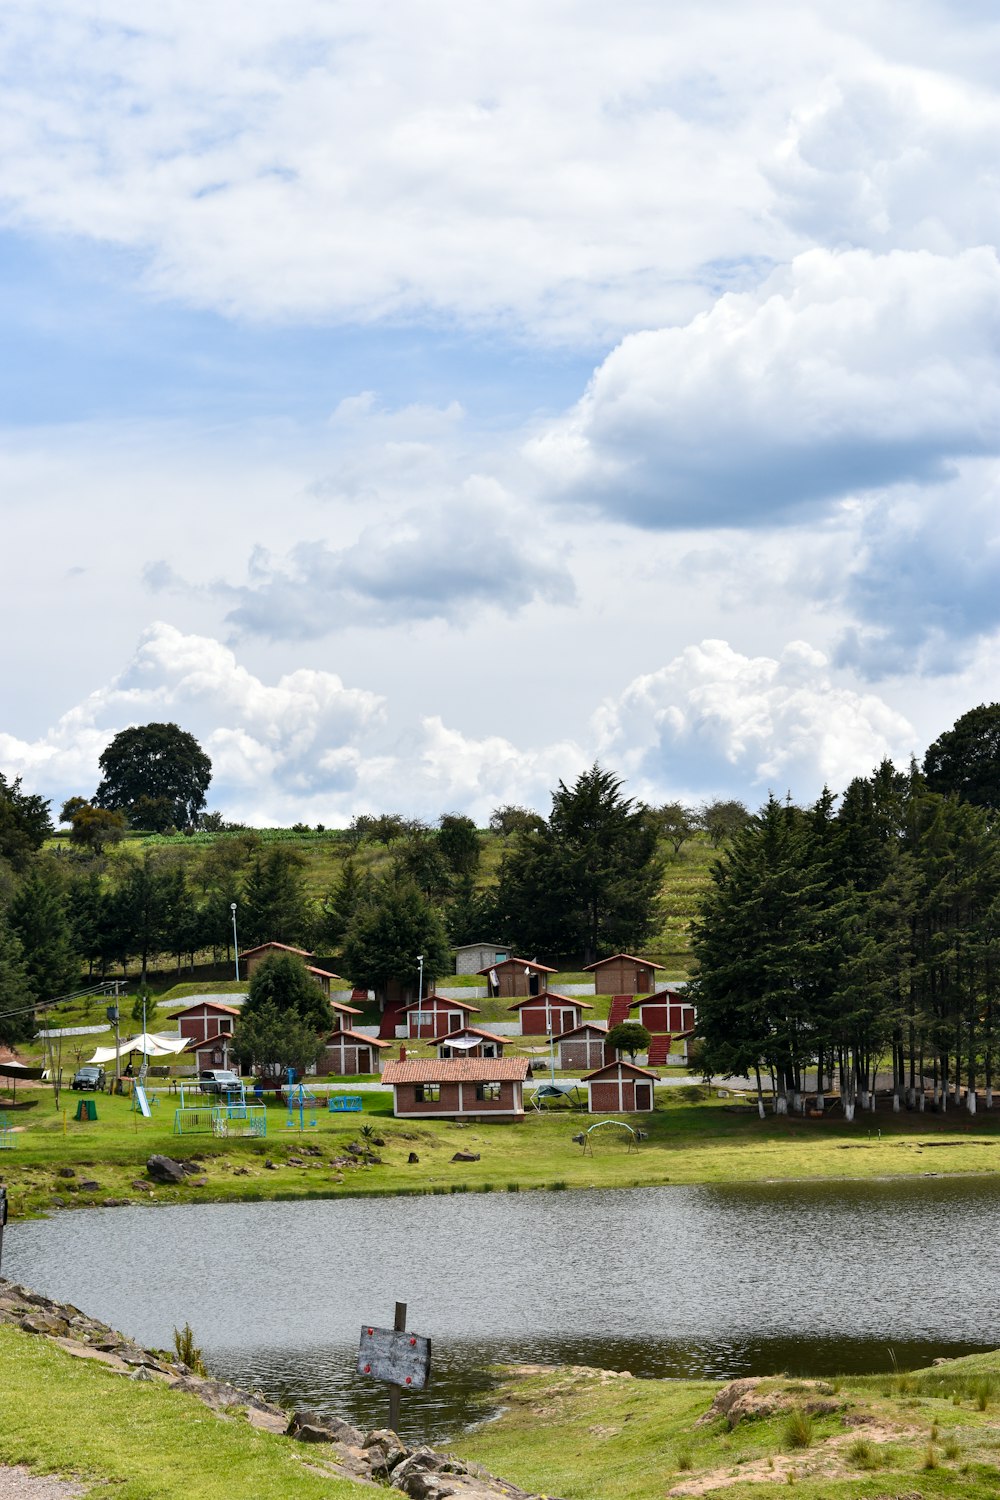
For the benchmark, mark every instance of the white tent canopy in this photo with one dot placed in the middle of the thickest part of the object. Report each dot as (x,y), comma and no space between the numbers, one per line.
(149,1043)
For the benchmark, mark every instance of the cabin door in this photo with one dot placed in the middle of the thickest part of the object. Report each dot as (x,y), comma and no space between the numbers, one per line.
(643,1096)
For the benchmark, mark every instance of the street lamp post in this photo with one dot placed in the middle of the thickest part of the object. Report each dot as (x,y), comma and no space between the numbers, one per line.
(236,944)
(420,993)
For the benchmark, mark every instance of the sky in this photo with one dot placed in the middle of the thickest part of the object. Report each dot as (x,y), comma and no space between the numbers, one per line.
(419,402)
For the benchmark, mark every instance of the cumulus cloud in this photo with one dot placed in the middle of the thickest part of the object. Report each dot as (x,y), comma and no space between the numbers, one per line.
(714,719)
(924,586)
(472,553)
(841,373)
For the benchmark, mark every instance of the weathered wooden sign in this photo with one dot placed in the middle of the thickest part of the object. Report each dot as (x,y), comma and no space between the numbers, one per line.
(390,1354)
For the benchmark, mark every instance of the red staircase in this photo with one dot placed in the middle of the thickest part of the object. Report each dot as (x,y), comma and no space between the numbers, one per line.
(619,1009)
(391,1018)
(659,1051)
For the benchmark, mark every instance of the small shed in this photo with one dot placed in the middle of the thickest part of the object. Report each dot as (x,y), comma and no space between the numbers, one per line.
(549,1014)
(252,958)
(434,1016)
(474,958)
(458,1088)
(622,974)
(205,1019)
(470,1041)
(516,976)
(584,1046)
(620,1088)
(665,1013)
(346,1052)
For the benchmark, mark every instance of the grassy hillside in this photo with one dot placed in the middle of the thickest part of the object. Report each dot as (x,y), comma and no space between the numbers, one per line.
(323,855)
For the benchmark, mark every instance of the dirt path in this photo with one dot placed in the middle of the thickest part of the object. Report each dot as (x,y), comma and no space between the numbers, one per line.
(18,1484)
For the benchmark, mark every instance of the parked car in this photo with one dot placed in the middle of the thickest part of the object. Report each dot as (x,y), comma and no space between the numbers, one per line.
(219,1081)
(90,1077)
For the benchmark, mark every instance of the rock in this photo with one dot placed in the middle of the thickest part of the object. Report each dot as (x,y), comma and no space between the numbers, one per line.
(307,1427)
(413,1158)
(45,1323)
(192,1168)
(466,1156)
(241,1171)
(739,1399)
(269,1166)
(378,1141)
(90,1186)
(114,1202)
(200,1182)
(165,1169)
(57,1202)
(66,1172)
(372,1160)
(355,1149)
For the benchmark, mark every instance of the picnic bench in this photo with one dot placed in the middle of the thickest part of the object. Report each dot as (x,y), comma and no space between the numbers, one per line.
(343,1104)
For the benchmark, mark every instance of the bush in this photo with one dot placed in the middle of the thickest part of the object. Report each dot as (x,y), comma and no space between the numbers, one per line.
(798,1429)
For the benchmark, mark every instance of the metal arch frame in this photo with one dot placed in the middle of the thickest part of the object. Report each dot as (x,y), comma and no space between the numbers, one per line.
(634,1135)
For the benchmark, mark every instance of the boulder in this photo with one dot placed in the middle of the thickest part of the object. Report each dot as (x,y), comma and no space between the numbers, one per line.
(165,1169)
(413,1158)
(466,1156)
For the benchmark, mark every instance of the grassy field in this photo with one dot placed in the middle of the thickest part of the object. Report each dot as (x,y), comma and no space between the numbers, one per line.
(75,1418)
(693,1137)
(594,1435)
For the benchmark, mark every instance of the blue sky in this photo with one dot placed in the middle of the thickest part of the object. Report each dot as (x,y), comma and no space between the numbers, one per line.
(416,420)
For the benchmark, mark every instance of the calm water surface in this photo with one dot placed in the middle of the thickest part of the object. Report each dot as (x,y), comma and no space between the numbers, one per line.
(660,1281)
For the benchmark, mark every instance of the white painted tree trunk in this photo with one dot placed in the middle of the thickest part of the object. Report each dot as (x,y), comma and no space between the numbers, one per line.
(760,1107)
(780,1104)
(989,1098)
(895,1104)
(798,1103)
(970,1100)
(911,1098)
(922,1102)
(821,1102)
(864,1098)
(849,1112)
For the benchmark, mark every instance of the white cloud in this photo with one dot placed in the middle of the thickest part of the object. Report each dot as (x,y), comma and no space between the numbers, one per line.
(842,372)
(715,720)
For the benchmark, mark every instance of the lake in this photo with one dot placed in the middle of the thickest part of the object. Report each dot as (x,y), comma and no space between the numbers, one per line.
(664,1281)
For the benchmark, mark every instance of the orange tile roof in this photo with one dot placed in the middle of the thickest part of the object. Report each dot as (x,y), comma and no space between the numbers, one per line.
(440,999)
(599,1026)
(457,1070)
(487,1036)
(261,947)
(547,995)
(612,1067)
(355,1036)
(227,1010)
(678,996)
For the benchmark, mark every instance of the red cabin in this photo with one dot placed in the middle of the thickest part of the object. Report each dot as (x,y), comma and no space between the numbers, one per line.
(461,1088)
(516,976)
(346,1052)
(622,974)
(206,1019)
(666,1012)
(434,1016)
(470,1041)
(548,1013)
(620,1088)
(584,1046)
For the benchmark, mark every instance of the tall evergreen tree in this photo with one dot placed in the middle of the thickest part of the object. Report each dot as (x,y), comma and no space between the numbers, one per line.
(38,915)
(274,906)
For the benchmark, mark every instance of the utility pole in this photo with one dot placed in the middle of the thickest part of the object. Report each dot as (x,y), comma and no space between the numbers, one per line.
(236,944)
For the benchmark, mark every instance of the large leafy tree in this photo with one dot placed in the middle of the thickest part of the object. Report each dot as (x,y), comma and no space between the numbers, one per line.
(966,758)
(390,927)
(24,822)
(587,882)
(149,762)
(284,985)
(269,1037)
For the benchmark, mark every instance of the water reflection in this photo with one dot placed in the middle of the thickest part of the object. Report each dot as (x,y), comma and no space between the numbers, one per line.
(812,1278)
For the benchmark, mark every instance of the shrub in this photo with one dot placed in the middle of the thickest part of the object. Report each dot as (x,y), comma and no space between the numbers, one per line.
(187,1353)
(862,1454)
(798,1429)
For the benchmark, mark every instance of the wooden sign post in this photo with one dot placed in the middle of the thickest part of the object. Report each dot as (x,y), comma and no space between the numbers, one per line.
(401,1359)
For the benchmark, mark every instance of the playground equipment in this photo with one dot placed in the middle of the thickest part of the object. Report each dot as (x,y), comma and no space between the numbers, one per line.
(552,1093)
(7,1141)
(632,1142)
(193,1119)
(303,1103)
(239,1119)
(342,1104)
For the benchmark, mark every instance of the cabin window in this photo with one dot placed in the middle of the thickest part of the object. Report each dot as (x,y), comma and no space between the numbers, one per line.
(226,1026)
(487,1091)
(428,1093)
(532,984)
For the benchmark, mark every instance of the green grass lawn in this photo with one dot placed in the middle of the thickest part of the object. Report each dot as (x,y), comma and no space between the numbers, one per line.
(591,1435)
(693,1138)
(140,1441)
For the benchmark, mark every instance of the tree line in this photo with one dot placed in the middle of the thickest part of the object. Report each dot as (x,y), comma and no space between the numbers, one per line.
(863,935)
